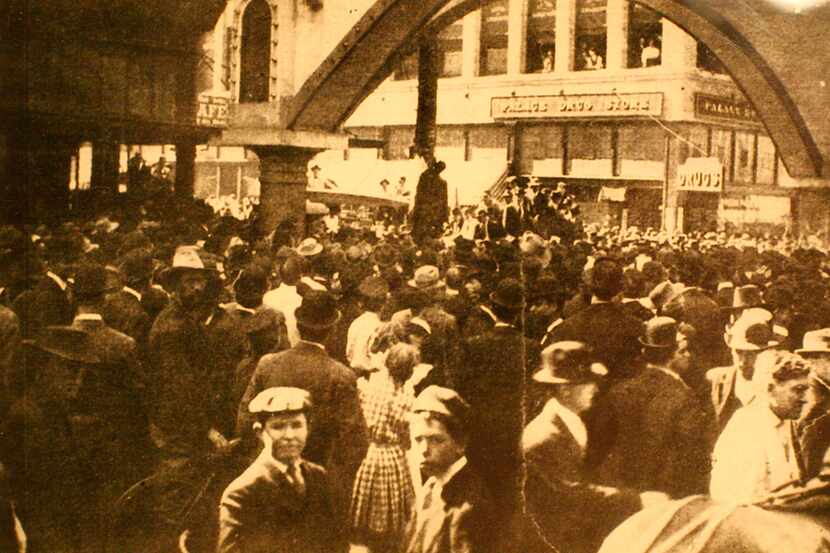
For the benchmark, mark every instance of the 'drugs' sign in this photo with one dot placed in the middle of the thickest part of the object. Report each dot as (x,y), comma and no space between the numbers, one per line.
(700,174)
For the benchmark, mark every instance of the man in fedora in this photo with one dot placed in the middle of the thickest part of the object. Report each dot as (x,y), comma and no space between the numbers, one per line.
(731,386)
(491,378)
(664,433)
(181,362)
(814,425)
(566,508)
(340,440)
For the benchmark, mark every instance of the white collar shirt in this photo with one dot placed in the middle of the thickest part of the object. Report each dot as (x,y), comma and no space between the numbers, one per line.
(285,299)
(572,422)
(754,454)
(132,292)
(58,280)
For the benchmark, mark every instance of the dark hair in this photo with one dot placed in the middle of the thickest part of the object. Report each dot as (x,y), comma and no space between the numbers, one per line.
(634,285)
(659,356)
(454,427)
(606,279)
(291,271)
(313,334)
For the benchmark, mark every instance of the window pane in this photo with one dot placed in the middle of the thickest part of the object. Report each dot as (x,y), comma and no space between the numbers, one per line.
(488,143)
(708,61)
(766,161)
(407,68)
(400,139)
(645,36)
(255,57)
(642,150)
(695,144)
(449,45)
(493,55)
(541,36)
(722,148)
(541,143)
(744,157)
(589,150)
(591,34)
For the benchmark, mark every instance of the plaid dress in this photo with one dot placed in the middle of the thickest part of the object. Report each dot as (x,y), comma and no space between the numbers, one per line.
(383,493)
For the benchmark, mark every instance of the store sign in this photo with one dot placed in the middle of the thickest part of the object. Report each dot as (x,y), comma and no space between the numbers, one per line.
(213,111)
(700,174)
(581,105)
(724,109)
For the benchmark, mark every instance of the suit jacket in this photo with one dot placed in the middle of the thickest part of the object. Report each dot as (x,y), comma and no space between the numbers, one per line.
(664,436)
(564,507)
(261,512)
(492,379)
(45,305)
(609,330)
(339,438)
(469,523)
(229,345)
(124,312)
(724,400)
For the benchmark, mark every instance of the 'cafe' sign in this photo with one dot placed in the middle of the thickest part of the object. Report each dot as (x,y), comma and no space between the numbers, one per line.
(700,174)
(580,105)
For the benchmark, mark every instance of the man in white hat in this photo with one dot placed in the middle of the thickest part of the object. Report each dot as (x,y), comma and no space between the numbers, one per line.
(282,502)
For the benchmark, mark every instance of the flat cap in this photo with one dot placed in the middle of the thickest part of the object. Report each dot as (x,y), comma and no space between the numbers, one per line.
(280,399)
(443,401)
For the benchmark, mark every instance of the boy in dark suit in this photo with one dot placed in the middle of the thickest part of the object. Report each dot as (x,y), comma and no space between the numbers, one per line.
(281,503)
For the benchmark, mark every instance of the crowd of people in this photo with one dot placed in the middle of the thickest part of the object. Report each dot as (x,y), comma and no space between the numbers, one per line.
(178,380)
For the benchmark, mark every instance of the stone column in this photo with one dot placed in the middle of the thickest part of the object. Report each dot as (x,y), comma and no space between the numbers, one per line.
(616,54)
(283,179)
(565,35)
(185,168)
(679,48)
(516,36)
(471,45)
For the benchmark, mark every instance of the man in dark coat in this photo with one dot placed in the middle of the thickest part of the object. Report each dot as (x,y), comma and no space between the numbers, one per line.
(46,304)
(340,437)
(664,432)
(566,509)
(123,309)
(431,209)
(491,378)
(604,325)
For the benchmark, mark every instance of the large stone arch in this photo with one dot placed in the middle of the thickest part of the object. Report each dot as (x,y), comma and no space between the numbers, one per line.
(758,44)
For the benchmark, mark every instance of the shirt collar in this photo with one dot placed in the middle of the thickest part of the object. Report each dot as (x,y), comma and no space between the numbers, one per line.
(667,371)
(58,280)
(132,292)
(595,300)
(572,422)
(315,344)
(454,469)
(489,312)
(744,390)
(88,317)
(272,464)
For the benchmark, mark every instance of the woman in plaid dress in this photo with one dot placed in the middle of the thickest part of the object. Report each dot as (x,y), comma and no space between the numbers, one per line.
(383,492)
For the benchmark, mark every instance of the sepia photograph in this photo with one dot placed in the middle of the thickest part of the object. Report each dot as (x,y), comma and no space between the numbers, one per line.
(414,276)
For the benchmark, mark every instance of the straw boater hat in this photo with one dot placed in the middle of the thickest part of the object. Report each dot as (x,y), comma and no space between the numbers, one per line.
(309,247)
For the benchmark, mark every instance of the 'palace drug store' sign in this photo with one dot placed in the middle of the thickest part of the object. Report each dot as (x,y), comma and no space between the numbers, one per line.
(580,105)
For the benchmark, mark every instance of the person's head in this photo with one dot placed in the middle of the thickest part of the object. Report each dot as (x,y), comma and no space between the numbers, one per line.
(438,428)
(660,341)
(507,300)
(315,170)
(192,280)
(401,360)
(316,315)
(606,279)
(783,378)
(474,289)
(291,270)
(251,285)
(454,278)
(570,371)
(373,293)
(90,284)
(282,421)
(747,338)
(417,331)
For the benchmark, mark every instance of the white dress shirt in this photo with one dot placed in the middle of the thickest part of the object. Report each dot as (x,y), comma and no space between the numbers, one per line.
(285,299)
(754,454)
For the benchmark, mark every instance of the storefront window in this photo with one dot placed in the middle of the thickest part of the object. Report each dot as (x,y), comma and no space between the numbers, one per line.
(541,146)
(488,143)
(744,157)
(591,34)
(398,142)
(766,161)
(641,149)
(450,42)
(450,144)
(541,36)
(708,61)
(645,36)
(695,143)
(493,54)
(590,150)
(722,149)
(407,68)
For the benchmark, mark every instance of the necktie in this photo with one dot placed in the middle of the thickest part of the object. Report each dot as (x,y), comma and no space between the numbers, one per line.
(295,477)
(430,489)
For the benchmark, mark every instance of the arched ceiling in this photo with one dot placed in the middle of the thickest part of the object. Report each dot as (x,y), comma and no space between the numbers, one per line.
(776,56)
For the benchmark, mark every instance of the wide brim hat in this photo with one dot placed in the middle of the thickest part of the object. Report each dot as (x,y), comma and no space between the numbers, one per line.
(317,310)
(752,337)
(815,342)
(569,362)
(745,297)
(67,343)
(188,259)
(427,277)
(309,247)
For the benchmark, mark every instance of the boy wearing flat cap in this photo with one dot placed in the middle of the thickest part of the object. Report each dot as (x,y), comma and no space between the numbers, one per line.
(454,510)
(281,503)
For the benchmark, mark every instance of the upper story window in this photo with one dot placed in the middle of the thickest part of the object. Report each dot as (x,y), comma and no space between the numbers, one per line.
(255,54)
(591,34)
(541,36)
(708,61)
(493,52)
(407,68)
(645,36)
(450,42)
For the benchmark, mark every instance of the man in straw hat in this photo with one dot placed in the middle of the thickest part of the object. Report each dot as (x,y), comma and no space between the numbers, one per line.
(282,502)
(565,507)
(454,510)
(758,450)
(664,432)
(731,386)
(340,439)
